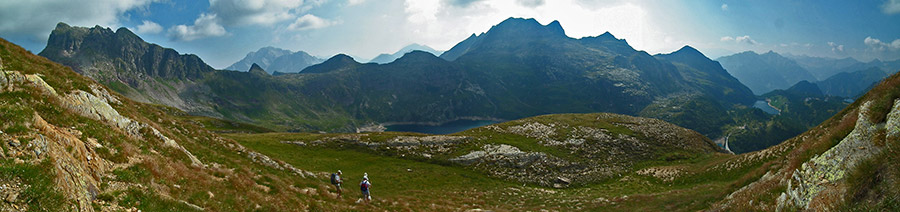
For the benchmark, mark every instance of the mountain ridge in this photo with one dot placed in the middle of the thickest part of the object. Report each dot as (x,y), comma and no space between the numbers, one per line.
(764,72)
(387,58)
(519,64)
(274,60)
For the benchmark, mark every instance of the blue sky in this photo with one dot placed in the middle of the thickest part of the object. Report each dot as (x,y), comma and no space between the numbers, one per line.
(223,31)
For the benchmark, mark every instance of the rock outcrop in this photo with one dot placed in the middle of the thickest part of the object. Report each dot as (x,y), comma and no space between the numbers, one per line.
(91,106)
(819,177)
(78,167)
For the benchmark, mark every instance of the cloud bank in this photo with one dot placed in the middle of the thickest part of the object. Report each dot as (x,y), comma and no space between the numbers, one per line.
(149,27)
(308,21)
(891,7)
(739,39)
(205,26)
(877,45)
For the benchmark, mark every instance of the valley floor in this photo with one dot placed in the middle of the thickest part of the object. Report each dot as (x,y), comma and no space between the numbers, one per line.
(411,184)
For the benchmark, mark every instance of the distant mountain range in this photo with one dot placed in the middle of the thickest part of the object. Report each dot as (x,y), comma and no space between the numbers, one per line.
(765,72)
(845,77)
(387,58)
(518,68)
(275,60)
(852,84)
(823,67)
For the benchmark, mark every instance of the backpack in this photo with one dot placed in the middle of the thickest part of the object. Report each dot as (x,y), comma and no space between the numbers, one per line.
(334,178)
(364,186)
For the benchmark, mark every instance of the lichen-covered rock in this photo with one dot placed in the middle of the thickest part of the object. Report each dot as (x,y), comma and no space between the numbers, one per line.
(78,167)
(490,150)
(103,94)
(280,165)
(892,127)
(91,106)
(3,80)
(824,171)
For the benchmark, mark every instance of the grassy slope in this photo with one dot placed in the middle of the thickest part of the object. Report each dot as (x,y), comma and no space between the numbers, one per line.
(149,175)
(434,180)
(708,181)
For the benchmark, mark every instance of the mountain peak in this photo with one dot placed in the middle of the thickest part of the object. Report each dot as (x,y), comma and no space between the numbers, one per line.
(341,58)
(387,58)
(62,25)
(805,88)
(526,27)
(772,53)
(335,63)
(76,44)
(687,49)
(514,20)
(418,55)
(255,69)
(608,35)
(556,27)
(126,34)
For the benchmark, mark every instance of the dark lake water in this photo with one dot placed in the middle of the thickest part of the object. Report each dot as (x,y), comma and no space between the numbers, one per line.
(446,128)
(765,107)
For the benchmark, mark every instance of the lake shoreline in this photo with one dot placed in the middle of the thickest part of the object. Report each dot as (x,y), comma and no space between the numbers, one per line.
(424,126)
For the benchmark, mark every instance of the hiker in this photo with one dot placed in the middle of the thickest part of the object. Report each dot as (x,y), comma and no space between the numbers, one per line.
(364,187)
(336,181)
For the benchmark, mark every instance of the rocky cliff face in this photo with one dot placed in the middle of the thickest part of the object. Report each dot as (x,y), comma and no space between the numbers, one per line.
(122,49)
(123,61)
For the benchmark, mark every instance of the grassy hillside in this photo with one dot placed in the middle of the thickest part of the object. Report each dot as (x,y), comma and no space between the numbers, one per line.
(681,177)
(68,144)
(857,149)
(864,136)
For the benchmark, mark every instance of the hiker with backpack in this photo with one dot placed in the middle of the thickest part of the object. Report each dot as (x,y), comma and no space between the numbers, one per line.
(336,181)
(364,187)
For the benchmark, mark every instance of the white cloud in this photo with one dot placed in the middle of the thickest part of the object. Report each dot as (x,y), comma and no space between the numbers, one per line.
(745,39)
(739,39)
(891,7)
(309,21)
(36,18)
(461,3)
(421,11)
(530,3)
(355,2)
(149,27)
(244,12)
(205,26)
(835,47)
(724,7)
(227,13)
(878,45)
